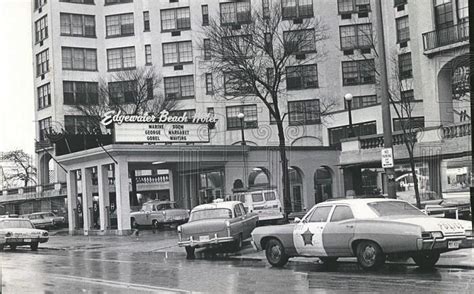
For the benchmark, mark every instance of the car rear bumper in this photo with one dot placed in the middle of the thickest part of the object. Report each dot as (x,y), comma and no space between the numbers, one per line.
(267,217)
(24,241)
(210,242)
(445,244)
(173,221)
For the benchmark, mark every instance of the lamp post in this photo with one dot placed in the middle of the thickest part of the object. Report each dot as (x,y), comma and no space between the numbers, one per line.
(348,97)
(241,116)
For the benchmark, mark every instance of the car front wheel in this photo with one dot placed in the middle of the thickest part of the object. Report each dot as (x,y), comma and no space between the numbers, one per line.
(133,223)
(13,247)
(190,252)
(275,253)
(370,255)
(426,260)
(34,246)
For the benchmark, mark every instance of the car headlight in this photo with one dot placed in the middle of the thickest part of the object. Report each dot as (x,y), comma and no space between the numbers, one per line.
(8,234)
(469,233)
(432,235)
(45,234)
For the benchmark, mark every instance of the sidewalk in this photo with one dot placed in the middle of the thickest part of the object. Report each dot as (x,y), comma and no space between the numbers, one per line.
(166,241)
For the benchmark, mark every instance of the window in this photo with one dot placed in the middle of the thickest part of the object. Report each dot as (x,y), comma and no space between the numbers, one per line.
(403,30)
(123,92)
(404,66)
(399,2)
(240,45)
(44,96)
(342,132)
(249,121)
(341,213)
(205,15)
(301,41)
(177,53)
(301,77)
(148,55)
(189,113)
(305,112)
(209,84)
(78,124)
(320,214)
(119,25)
(358,72)
(79,1)
(412,123)
(175,19)
(235,85)
(146,21)
(109,2)
(266,9)
(235,12)
(443,14)
(41,29)
(356,36)
(42,62)
(462,10)
(77,25)
(362,101)
(121,58)
(179,87)
(207,49)
(40,3)
(80,93)
(297,9)
(79,59)
(237,211)
(350,6)
(44,128)
(407,95)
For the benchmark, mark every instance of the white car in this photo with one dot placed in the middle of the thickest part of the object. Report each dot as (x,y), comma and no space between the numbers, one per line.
(265,203)
(19,231)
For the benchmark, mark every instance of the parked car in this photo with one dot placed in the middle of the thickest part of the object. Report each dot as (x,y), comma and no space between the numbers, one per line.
(56,221)
(216,224)
(39,220)
(157,213)
(370,229)
(19,231)
(265,203)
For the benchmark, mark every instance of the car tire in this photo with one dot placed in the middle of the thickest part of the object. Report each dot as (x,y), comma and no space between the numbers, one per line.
(328,260)
(13,247)
(426,260)
(133,223)
(275,253)
(1,247)
(155,226)
(190,252)
(34,246)
(369,255)
(237,244)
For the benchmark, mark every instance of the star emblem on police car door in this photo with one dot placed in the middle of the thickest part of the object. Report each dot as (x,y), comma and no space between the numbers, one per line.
(307,237)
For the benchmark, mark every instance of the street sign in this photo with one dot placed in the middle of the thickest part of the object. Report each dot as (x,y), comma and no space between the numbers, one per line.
(387,158)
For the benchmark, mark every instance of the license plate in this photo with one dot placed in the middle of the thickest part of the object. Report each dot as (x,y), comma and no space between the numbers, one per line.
(453,244)
(203,238)
(27,240)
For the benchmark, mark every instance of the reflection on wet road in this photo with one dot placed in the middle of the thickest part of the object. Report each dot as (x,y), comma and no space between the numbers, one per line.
(48,271)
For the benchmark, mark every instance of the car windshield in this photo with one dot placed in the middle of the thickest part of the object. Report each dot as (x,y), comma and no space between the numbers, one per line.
(165,206)
(210,214)
(16,224)
(389,208)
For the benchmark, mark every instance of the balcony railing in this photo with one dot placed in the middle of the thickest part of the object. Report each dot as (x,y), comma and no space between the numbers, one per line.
(376,141)
(459,130)
(154,179)
(447,36)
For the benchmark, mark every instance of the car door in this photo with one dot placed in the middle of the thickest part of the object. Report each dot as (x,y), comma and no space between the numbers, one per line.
(308,233)
(247,222)
(239,221)
(339,232)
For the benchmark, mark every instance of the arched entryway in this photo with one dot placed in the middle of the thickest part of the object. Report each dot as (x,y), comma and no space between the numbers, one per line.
(46,169)
(323,189)
(259,178)
(296,189)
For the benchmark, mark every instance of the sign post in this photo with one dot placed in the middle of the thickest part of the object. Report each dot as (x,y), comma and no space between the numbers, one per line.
(387,158)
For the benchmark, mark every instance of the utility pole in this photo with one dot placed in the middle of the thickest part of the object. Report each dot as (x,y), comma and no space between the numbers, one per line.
(385,100)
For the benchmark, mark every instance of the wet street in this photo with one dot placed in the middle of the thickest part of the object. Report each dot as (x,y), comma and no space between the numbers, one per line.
(112,270)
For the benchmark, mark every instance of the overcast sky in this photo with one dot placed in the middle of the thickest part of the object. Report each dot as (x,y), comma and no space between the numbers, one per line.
(17,127)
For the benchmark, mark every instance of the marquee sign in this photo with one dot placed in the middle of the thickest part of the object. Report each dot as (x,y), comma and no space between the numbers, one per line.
(161,133)
(159,128)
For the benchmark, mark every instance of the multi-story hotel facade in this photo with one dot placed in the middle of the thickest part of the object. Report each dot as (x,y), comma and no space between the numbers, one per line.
(78,43)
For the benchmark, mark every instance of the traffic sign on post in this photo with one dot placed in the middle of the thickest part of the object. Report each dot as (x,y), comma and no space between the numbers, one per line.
(387,158)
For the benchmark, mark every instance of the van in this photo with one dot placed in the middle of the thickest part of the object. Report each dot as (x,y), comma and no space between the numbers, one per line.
(265,203)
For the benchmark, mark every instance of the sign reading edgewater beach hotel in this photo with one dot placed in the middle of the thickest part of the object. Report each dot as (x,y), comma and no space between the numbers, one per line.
(160,128)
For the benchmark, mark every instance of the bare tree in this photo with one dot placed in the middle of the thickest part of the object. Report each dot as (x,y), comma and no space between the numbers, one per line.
(23,168)
(365,41)
(136,91)
(251,54)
